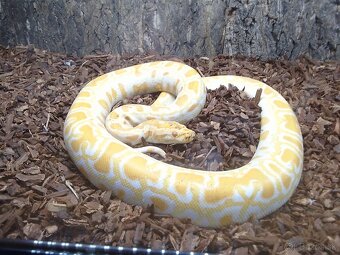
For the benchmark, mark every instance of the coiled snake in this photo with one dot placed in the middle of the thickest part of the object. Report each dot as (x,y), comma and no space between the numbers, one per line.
(211,199)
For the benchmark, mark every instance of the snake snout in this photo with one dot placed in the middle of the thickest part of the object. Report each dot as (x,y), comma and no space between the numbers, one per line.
(183,135)
(189,136)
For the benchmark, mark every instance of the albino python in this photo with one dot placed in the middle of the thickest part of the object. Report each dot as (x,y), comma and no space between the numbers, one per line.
(97,142)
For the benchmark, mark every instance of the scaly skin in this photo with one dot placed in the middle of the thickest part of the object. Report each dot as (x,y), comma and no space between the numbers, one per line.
(211,199)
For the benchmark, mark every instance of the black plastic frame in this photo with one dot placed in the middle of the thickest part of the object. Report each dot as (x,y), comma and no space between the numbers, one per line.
(13,247)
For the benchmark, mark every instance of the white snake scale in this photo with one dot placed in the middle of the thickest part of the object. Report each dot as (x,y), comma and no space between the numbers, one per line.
(210,199)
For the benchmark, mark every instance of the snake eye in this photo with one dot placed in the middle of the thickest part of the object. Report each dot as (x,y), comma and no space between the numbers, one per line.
(174,134)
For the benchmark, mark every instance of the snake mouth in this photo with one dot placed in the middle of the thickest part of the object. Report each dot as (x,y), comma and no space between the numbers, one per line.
(172,136)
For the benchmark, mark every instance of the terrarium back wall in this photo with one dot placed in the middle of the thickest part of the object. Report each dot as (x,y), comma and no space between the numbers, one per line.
(258,28)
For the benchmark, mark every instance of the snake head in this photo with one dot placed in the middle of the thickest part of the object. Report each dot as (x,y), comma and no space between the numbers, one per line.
(166,132)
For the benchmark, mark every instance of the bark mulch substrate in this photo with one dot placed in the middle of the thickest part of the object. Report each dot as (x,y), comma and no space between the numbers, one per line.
(43,196)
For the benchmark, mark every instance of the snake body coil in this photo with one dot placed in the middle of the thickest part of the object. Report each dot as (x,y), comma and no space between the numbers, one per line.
(210,199)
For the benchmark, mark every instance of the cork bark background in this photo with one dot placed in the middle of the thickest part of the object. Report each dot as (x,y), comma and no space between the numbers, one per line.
(266,29)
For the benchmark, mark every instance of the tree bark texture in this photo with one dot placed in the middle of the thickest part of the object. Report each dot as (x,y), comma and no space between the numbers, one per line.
(265,29)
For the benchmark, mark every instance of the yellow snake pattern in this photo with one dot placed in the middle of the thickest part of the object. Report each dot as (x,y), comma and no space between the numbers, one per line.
(210,199)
